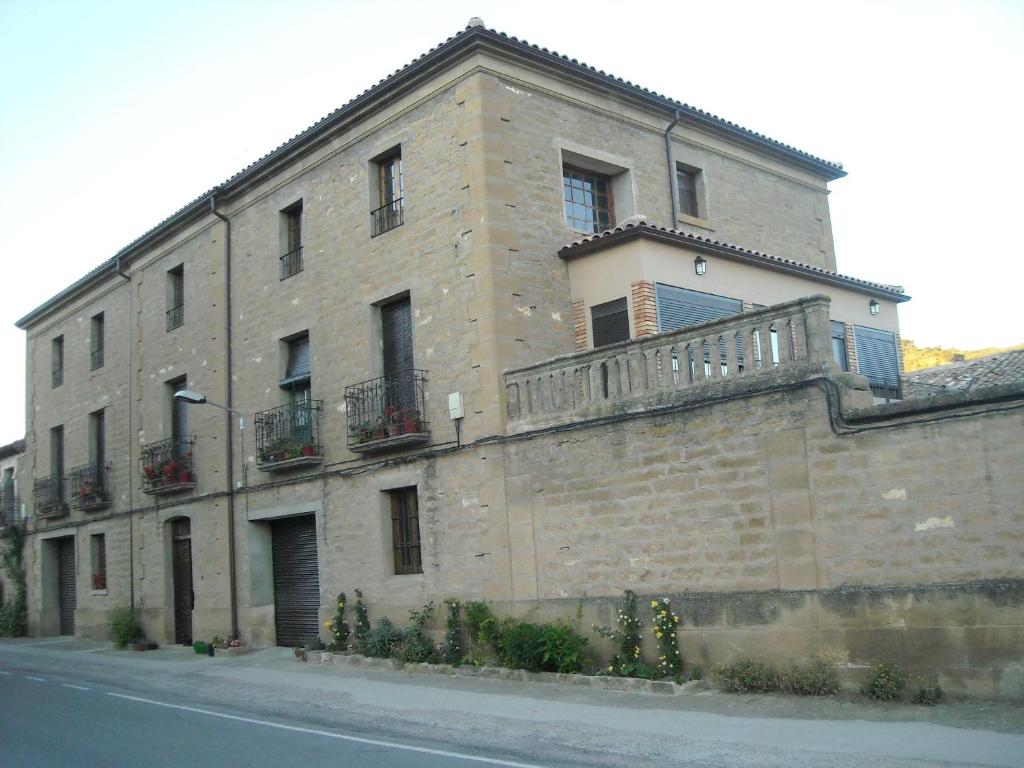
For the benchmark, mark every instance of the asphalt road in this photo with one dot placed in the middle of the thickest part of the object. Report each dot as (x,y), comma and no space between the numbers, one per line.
(76,704)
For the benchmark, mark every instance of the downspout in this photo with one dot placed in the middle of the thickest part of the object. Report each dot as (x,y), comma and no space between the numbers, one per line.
(673,190)
(228,416)
(131,439)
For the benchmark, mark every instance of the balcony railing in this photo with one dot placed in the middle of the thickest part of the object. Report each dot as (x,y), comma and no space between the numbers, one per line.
(89,487)
(8,508)
(388,216)
(56,377)
(175,317)
(889,389)
(49,496)
(167,465)
(291,263)
(289,436)
(387,413)
(96,359)
(786,339)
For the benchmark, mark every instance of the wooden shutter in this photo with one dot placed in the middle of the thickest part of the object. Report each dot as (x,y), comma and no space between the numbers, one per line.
(405,531)
(610,322)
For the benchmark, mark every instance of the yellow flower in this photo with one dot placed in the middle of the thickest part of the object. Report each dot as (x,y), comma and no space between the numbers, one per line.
(328,623)
(611,668)
(658,634)
(654,603)
(664,613)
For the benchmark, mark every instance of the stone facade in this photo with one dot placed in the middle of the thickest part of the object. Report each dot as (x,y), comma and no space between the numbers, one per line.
(731,496)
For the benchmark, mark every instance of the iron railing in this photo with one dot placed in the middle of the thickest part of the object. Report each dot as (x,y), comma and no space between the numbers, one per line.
(49,496)
(390,406)
(167,464)
(89,486)
(291,263)
(96,359)
(8,508)
(175,317)
(289,432)
(888,389)
(388,216)
(56,377)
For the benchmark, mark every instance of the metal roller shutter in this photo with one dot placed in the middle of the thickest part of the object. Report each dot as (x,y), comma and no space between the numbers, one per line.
(610,322)
(876,359)
(296,580)
(66,593)
(396,330)
(679,307)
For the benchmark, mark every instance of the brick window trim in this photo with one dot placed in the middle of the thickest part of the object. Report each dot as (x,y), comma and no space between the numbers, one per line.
(579,319)
(645,308)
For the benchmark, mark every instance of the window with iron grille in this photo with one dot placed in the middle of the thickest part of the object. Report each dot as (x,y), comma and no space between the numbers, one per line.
(588,200)
(175,297)
(98,552)
(388,212)
(291,222)
(687,179)
(96,342)
(57,362)
(405,531)
(610,322)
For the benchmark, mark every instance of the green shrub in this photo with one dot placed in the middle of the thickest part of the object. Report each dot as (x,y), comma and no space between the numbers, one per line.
(819,679)
(627,662)
(696,673)
(199,647)
(413,646)
(125,627)
(562,648)
(748,676)
(362,628)
(338,627)
(381,638)
(665,622)
(520,645)
(451,648)
(928,692)
(481,624)
(14,615)
(885,682)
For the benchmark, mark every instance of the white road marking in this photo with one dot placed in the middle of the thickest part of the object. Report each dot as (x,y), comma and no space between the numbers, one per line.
(76,687)
(4,673)
(90,650)
(330,735)
(48,642)
(37,679)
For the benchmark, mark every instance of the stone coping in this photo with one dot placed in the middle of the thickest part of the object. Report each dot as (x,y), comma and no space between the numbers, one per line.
(607,682)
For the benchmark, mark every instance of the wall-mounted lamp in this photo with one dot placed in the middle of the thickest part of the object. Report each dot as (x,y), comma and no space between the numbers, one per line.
(873,307)
(700,265)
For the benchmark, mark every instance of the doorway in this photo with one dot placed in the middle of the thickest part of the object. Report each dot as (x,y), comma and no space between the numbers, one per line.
(181,571)
(66,593)
(296,580)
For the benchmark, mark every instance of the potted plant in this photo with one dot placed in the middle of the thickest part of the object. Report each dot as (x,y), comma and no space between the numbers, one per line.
(307,450)
(393,420)
(184,476)
(410,421)
(99,581)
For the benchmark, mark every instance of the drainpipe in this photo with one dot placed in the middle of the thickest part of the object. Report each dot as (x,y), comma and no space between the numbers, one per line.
(673,191)
(229,443)
(131,440)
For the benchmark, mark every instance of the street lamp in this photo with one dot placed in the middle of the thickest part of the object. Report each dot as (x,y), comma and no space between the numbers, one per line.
(196,398)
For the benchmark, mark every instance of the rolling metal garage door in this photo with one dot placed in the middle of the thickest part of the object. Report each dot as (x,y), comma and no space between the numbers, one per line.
(66,597)
(296,580)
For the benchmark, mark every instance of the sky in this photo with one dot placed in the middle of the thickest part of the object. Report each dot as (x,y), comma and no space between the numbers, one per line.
(115,114)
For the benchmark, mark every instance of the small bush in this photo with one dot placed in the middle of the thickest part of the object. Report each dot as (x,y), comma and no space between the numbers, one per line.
(520,645)
(628,661)
(819,679)
(748,676)
(481,624)
(562,648)
(451,648)
(338,627)
(413,646)
(381,638)
(885,682)
(199,647)
(696,673)
(125,627)
(362,628)
(928,692)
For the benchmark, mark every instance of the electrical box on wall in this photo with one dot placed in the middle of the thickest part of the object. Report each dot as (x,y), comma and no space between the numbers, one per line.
(455,406)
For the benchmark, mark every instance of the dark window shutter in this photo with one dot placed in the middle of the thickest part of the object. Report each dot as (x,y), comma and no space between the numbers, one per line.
(839,345)
(679,307)
(610,322)
(298,361)
(876,359)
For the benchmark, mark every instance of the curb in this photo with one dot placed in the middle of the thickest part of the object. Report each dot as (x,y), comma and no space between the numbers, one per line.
(632,684)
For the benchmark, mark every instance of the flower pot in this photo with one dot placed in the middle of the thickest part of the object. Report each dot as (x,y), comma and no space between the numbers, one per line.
(184,477)
(307,450)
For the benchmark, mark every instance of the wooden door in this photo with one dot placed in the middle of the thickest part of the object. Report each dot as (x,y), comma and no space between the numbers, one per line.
(184,597)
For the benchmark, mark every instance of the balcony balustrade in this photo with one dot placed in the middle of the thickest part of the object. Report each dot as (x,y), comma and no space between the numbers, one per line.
(387,413)
(289,436)
(388,216)
(175,317)
(96,359)
(291,263)
(49,496)
(167,466)
(785,340)
(89,487)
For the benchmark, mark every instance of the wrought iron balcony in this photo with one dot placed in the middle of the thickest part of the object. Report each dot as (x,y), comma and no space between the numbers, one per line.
(387,413)
(49,495)
(56,377)
(96,359)
(8,508)
(289,436)
(291,263)
(89,487)
(388,216)
(175,317)
(167,465)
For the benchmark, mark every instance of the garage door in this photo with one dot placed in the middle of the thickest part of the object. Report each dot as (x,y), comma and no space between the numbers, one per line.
(296,580)
(66,596)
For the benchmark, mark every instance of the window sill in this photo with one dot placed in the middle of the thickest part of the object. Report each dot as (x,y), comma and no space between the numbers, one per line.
(98,592)
(694,221)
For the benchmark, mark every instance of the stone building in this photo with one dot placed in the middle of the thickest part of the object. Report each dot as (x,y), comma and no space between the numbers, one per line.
(505,327)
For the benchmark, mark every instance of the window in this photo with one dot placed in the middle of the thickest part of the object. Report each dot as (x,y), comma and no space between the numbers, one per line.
(291,226)
(57,362)
(588,200)
(98,441)
(839,345)
(390,193)
(175,297)
(877,360)
(297,374)
(405,531)
(610,322)
(98,552)
(688,183)
(178,412)
(96,355)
